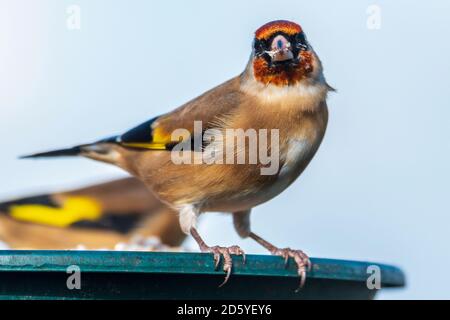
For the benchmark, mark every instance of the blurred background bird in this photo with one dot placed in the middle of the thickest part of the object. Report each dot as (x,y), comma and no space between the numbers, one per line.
(121,214)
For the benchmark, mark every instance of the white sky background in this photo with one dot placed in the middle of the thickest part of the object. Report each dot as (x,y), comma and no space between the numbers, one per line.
(377,189)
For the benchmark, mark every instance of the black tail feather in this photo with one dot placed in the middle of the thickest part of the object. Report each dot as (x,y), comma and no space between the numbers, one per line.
(70,152)
(40,200)
(55,153)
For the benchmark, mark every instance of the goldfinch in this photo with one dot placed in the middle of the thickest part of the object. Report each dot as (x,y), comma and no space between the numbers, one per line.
(188,159)
(101,216)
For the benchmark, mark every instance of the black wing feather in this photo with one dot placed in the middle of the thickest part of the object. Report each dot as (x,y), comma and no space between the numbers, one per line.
(143,133)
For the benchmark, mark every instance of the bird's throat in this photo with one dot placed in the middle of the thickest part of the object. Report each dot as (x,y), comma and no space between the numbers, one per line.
(282,75)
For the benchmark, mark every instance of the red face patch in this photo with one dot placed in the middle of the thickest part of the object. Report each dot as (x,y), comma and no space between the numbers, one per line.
(287,27)
(281,76)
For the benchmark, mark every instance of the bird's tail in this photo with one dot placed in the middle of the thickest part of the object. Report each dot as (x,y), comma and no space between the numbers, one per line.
(75,151)
(98,216)
(104,150)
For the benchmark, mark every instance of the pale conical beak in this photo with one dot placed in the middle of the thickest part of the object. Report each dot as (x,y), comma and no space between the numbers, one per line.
(281,49)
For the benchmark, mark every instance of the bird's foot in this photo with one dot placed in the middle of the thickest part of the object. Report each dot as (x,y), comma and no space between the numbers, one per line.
(226,252)
(300,258)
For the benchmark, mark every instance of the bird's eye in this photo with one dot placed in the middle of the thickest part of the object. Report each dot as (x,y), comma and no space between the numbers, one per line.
(302,46)
(300,42)
(257,44)
(259,47)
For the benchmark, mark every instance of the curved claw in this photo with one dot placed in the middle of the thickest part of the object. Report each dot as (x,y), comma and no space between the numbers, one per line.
(300,258)
(286,259)
(236,250)
(228,261)
(216,259)
(226,278)
(302,275)
(309,265)
(227,265)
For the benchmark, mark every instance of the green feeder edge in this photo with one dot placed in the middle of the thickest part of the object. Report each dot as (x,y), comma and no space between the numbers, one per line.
(167,275)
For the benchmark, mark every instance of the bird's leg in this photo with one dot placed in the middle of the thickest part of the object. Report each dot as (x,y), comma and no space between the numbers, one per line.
(217,251)
(300,258)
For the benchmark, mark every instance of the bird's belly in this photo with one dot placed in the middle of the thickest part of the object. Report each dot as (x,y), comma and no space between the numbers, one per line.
(294,161)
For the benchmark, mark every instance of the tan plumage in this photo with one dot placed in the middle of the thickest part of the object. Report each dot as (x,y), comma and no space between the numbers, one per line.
(282,88)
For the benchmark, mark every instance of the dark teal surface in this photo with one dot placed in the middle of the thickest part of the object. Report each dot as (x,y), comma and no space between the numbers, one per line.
(160,275)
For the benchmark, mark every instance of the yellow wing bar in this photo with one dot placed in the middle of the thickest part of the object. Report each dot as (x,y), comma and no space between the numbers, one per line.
(74,209)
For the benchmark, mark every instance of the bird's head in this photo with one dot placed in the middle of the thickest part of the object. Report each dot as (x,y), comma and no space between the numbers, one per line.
(282,56)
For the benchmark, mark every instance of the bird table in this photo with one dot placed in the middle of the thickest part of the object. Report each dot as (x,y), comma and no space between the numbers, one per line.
(167,275)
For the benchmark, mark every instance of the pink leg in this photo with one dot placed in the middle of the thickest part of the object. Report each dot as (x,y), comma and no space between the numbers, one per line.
(300,258)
